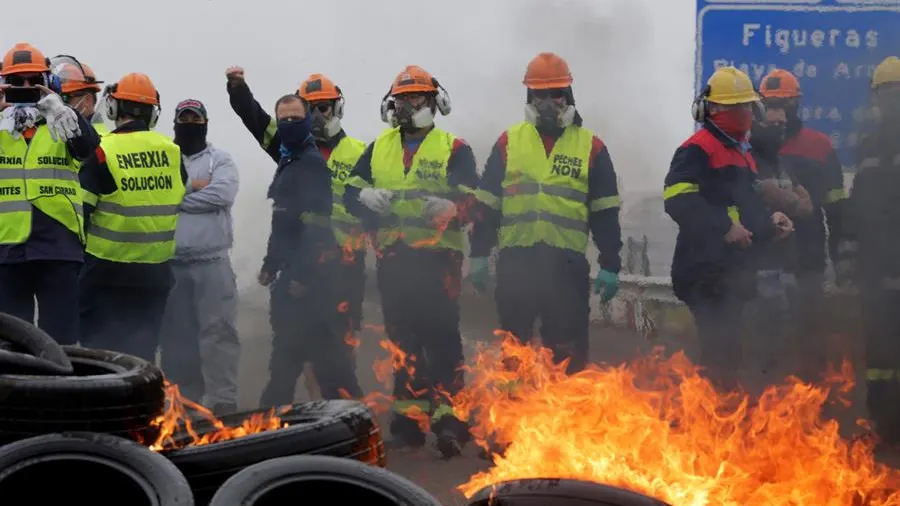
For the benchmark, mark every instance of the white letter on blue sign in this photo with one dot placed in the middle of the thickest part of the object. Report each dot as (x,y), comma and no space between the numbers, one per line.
(749,31)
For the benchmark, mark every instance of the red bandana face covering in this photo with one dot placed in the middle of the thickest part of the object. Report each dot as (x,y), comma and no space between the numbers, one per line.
(735,123)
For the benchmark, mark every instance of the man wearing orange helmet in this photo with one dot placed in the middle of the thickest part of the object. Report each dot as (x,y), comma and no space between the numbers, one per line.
(549,183)
(809,156)
(41,221)
(411,189)
(133,185)
(80,88)
(326,101)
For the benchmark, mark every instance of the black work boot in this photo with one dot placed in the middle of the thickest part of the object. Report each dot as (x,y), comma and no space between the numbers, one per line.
(452,435)
(405,434)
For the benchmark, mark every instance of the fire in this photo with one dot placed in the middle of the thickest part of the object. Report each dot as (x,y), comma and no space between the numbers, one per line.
(177,421)
(657,427)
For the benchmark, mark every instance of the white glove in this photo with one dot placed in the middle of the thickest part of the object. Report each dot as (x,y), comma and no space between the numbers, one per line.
(61,120)
(439,210)
(376,199)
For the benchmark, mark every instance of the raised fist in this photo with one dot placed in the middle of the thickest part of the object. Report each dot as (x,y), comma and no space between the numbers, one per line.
(235,75)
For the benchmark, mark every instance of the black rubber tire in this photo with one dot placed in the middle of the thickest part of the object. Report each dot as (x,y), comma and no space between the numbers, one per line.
(33,341)
(339,428)
(321,475)
(110,392)
(559,492)
(14,362)
(162,481)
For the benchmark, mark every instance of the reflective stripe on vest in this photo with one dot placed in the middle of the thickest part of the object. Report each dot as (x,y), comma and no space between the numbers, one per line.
(136,223)
(40,173)
(427,177)
(347,228)
(545,199)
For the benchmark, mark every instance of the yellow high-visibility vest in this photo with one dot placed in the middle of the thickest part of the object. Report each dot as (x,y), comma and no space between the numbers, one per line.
(42,174)
(545,199)
(347,228)
(427,177)
(136,223)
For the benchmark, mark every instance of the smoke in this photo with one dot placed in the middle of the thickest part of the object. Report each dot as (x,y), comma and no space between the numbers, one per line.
(632,61)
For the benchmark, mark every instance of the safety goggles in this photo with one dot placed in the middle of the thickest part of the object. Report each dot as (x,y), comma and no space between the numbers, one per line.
(321,107)
(551,94)
(23,80)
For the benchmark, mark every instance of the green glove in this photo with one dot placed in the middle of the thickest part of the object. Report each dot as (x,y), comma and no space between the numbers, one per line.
(606,283)
(479,273)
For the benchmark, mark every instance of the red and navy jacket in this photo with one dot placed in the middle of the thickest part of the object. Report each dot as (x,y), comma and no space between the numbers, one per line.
(810,157)
(602,187)
(710,176)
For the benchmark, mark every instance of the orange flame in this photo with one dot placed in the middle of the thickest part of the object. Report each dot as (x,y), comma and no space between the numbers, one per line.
(176,421)
(657,427)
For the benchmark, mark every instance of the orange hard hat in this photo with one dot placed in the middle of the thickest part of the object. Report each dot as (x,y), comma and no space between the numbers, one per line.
(547,71)
(413,79)
(318,87)
(780,84)
(74,76)
(135,87)
(24,58)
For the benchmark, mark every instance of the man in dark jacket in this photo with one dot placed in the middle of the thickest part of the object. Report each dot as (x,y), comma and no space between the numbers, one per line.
(770,316)
(710,193)
(809,155)
(873,221)
(302,261)
(326,102)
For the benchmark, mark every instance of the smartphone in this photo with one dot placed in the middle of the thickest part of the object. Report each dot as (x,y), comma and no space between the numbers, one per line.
(22,94)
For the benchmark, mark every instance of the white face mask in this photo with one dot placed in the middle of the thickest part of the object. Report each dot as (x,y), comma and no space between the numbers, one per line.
(83,106)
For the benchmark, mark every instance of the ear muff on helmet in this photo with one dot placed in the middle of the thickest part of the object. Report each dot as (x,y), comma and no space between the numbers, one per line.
(700,107)
(388,106)
(111,106)
(442,98)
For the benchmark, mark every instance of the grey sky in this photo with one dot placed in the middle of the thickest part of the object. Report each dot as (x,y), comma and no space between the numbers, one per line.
(632,61)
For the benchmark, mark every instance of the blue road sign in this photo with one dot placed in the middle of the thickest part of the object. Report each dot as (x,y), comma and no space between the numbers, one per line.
(832,46)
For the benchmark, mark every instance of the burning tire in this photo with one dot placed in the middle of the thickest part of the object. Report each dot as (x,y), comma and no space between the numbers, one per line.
(293,480)
(337,428)
(558,492)
(108,392)
(96,469)
(26,348)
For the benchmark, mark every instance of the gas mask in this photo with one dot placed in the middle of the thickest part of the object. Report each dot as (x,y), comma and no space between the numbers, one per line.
(549,114)
(324,128)
(410,117)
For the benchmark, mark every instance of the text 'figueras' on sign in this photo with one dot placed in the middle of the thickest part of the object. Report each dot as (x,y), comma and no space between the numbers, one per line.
(786,40)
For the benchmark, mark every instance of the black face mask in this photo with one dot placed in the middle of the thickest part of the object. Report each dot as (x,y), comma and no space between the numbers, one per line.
(294,133)
(794,123)
(191,137)
(767,140)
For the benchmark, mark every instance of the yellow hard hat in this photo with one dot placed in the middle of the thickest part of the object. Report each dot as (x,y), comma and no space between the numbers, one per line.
(887,72)
(728,86)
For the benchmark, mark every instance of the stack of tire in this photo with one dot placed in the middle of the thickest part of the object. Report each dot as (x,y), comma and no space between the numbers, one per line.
(76,424)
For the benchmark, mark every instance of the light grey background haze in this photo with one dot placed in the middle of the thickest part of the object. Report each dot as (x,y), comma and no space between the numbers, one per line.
(632,61)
